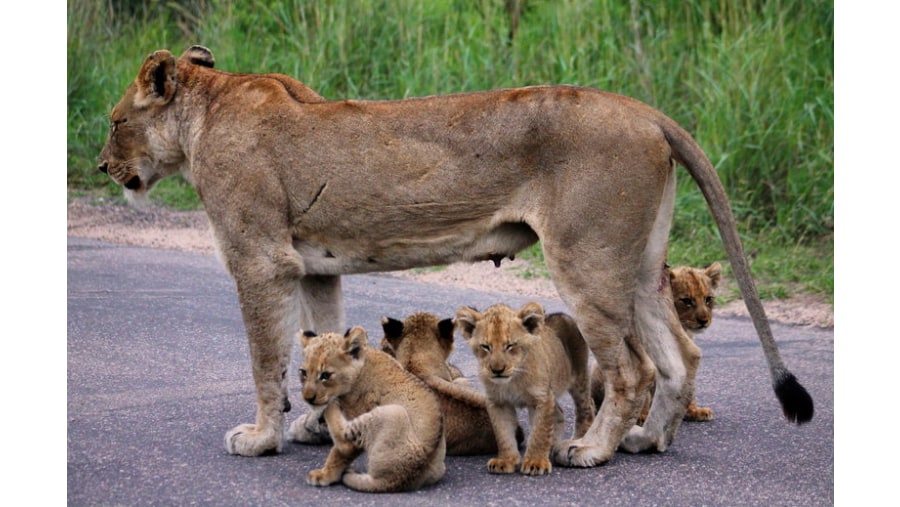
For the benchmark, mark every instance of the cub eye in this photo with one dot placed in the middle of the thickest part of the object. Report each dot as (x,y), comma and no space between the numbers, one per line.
(510,346)
(485,347)
(710,301)
(324,376)
(688,302)
(302,374)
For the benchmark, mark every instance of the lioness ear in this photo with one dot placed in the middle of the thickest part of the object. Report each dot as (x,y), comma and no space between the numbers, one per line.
(305,338)
(465,321)
(714,272)
(445,333)
(355,341)
(532,316)
(199,55)
(155,81)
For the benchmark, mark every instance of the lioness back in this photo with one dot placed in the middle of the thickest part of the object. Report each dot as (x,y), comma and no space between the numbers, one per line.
(372,405)
(524,363)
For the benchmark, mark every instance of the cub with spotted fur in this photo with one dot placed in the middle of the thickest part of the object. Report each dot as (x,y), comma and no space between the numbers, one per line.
(524,363)
(693,294)
(422,343)
(372,405)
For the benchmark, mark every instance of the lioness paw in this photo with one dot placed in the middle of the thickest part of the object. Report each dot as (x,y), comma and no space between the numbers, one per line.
(248,440)
(574,454)
(536,466)
(502,465)
(309,429)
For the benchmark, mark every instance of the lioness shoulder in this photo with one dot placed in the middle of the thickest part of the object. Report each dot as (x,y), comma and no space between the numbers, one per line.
(372,405)
(524,363)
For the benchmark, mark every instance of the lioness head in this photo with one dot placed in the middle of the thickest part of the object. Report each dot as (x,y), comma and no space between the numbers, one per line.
(421,343)
(501,338)
(693,291)
(142,146)
(331,364)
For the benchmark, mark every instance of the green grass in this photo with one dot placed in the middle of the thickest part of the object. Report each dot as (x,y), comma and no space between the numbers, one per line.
(753,81)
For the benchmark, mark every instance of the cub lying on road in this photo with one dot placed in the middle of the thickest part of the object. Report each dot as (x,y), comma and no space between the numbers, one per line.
(393,416)
(422,343)
(524,363)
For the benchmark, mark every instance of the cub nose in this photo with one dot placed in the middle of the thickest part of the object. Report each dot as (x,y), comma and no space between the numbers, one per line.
(497,372)
(103,167)
(702,322)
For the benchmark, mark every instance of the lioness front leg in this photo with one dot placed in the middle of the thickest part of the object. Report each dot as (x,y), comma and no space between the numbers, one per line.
(504,420)
(270,318)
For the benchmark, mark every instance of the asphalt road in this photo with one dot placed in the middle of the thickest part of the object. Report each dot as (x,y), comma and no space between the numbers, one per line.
(158,371)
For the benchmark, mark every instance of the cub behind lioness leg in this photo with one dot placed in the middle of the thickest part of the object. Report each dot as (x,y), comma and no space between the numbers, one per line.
(524,363)
(372,405)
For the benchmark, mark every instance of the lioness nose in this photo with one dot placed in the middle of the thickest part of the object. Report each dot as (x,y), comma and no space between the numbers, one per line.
(103,167)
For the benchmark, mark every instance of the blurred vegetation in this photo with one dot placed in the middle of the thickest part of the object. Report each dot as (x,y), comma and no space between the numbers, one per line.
(753,80)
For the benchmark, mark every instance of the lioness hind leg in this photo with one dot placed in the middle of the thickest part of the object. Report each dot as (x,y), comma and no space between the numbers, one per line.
(270,313)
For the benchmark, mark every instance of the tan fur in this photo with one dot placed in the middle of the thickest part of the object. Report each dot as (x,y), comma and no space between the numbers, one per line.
(524,363)
(300,190)
(372,405)
(422,343)
(693,292)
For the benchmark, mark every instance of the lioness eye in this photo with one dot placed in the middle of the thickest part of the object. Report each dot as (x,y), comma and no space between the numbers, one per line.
(687,302)
(325,375)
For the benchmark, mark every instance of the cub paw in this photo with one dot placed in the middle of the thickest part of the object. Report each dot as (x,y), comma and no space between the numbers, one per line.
(502,465)
(320,478)
(539,466)
(699,414)
(248,440)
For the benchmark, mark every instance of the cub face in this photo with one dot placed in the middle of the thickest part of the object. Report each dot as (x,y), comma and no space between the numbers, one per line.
(331,364)
(500,338)
(693,290)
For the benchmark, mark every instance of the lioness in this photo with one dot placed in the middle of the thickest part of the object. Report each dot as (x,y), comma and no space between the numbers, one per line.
(422,343)
(300,190)
(524,363)
(394,418)
(693,293)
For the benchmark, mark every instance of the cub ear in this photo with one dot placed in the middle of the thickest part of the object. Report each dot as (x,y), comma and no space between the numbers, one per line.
(714,272)
(355,342)
(155,81)
(199,55)
(305,338)
(466,319)
(393,331)
(445,333)
(532,316)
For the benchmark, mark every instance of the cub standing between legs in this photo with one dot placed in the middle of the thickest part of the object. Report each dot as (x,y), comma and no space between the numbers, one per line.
(693,297)
(523,363)
(301,190)
(372,405)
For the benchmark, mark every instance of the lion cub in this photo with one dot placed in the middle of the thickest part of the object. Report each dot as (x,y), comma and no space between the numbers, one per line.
(371,405)
(693,294)
(422,343)
(524,363)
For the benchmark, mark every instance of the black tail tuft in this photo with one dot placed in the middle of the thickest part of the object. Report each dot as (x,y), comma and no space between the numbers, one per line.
(796,403)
